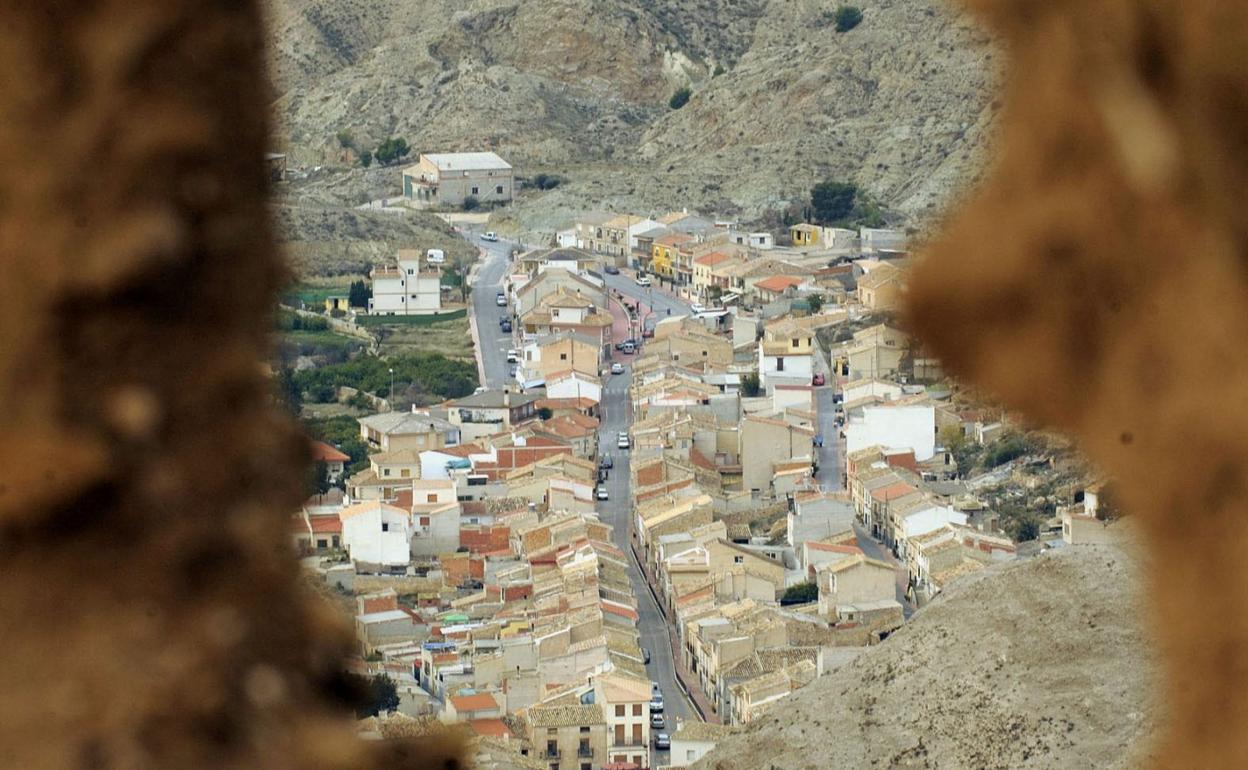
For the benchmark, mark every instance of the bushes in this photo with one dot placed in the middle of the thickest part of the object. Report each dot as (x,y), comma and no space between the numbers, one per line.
(680,98)
(293,322)
(802,593)
(832,201)
(344,433)
(1005,449)
(847,17)
(430,373)
(751,386)
(391,150)
(547,181)
(471,203)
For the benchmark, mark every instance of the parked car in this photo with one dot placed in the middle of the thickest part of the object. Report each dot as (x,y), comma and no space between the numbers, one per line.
(606,462)
(513,356)
(602,493)
(628,348)
(617,368)
(622,441)
(697,307)
(511,370)
(630,341)
(656,720)
(506,326)
(645,655)
(662,742)
(500,299)
(818,379)
(490,235)
(647,333)
(603,474)
(612,270)
(643,280)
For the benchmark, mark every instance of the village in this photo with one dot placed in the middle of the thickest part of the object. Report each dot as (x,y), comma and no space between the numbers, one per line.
(704,466)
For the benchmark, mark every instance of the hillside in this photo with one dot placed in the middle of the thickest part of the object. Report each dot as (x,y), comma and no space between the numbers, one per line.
(580,87)
(1036,664)
(332,241)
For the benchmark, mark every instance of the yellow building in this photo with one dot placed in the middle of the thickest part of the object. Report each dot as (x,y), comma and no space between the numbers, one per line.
(663,253)
(804,235)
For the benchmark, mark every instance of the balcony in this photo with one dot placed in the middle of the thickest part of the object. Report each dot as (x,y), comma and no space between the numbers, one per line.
(551,753)
(585,751)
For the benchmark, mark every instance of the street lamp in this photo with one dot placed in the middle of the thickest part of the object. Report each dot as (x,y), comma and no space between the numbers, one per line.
(391,393)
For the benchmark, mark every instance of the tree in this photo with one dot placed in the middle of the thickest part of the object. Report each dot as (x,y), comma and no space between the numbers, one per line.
(750,384)
(815,301)
(847,17)
(372,696)
(289,392)
(391,150)
(320,477)
(358,294)
(680,98)
(346,140)
(1028,529)
(471,203)
(366,158)
(832,201)
(545,413)
(802,593)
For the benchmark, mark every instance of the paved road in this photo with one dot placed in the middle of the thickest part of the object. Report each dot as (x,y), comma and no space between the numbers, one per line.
(616,511)
(485,287)
(662,303)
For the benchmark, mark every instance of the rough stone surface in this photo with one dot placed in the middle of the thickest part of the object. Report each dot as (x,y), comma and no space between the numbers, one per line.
(152,612)
(1038,664)
(1096,282)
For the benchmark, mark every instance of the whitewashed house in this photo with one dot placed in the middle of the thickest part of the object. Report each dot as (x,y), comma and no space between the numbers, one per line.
(377,534)
(407,289)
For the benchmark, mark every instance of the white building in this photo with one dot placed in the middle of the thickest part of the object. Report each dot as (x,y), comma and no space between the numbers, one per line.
(573,384)
(875,240)
(894,427)
(377,534)
(693,740)
(435,517)
(406,289)
(448,178)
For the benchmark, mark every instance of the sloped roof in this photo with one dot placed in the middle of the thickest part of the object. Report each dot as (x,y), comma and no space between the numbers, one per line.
(326,453)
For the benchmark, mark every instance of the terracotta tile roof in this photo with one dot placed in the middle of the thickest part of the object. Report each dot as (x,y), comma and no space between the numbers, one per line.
(564,716)
(893,491)
(778,283)
(479,702)
(330,524)
(832,548)
(711,259)
(673,239)
(326,453)
(494,728)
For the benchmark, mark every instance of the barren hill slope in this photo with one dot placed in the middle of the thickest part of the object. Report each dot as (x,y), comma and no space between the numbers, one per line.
(580,87)
(1037,664)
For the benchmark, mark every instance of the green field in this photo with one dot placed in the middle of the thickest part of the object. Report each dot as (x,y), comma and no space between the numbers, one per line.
(314,294)
(327,339)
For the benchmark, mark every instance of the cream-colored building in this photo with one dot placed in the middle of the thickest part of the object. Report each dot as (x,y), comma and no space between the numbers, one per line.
(858,579)
(625,706)
(567,737)
(448,179)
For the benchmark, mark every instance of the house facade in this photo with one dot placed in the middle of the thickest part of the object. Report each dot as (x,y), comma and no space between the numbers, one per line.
(448,179)
(405,289)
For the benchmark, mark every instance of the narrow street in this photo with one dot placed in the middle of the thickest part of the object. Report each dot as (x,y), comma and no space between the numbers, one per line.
(492,341)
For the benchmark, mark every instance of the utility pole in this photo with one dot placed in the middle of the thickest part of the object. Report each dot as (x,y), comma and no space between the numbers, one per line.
(390,400)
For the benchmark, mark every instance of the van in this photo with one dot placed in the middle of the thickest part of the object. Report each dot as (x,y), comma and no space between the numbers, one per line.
(435,256)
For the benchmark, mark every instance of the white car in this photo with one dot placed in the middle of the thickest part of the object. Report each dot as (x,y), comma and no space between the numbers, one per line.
(490,235)
(643,280)
(622,441)
(501,300)
(617,368)
(435,256)
(697,308)
(602,493)
(513,356)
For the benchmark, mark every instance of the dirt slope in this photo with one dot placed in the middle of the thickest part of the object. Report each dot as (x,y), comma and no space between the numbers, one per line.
(1040,664)
(780,99)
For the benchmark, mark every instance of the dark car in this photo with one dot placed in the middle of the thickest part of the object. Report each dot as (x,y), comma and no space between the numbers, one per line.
(662,741)
(602,474)
(505,326)
(645,655)
(606,462)
(612,270)
(628,348)
(630,341)
(504,318)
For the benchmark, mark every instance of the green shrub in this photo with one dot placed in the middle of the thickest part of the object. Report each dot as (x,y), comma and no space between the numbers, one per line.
(431,373)
(847,17)
(471,203)
(680,98)
(802,593)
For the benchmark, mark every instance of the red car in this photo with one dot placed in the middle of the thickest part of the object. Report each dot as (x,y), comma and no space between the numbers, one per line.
(818,379)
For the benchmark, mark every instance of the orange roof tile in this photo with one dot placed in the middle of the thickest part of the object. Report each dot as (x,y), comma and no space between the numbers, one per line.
(893,491)
(479,702)
(326,453)
(491,728)
(778,283)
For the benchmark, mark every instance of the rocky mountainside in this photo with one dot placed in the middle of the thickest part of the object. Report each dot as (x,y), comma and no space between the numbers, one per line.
(333,241)
(780,99)
(1035,664)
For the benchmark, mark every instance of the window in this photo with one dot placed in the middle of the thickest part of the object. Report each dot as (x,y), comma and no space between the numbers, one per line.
(636,709)
(322,543)
(563,356)
(385,526)
(780,364)
(738,560)
(385,471)
(584,730)
(619,710)
(499,190)
(431,498)
(424,521)
(795,342)
(474,191)
(405,472)
(335,541)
